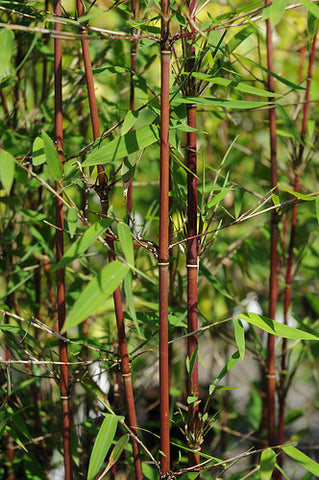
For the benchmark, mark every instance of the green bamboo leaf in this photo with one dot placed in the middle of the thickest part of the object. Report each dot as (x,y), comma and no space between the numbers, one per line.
(311,7)
(125,237)
(123,146)
(129,121)
(275,11)
(7,169)
(317,208)
(218,198)
(96,292)
(127,282)
(239,337)
(237,39)
(276,328)
(302,459)
(80,246)
(191,363)
(224,82)
(6,52)
(117,451)
(300,196)
(72,220)
(289,124)
(312,26)
(102,444)
(229,365)
(52,158)
(267,463)
(38,154)
(217,102)
(246,88)
(283,80)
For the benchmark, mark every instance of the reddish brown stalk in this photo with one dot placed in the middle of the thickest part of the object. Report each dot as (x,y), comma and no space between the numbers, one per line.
(273,283)
(63,350)
(125,365)
(163,261)
(289,274)
(192,251)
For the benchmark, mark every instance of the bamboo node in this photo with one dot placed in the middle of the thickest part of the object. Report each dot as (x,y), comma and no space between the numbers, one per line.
(273,375)
(192,266)
(126,374)
(64,397)
(163,264)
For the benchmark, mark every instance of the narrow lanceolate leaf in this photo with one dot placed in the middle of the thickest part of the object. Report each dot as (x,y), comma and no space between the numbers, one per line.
(276,328)
(117,451)
(229,365)
(38,155)
(311,7)
(6,51)
(72,220)
(7,168)
(102,444)
(239,337)
(267,463)
(217,102)
(317,208)
(79,247)
(218,198)
(289,124)
(302,459)
(300,196)
(52,158)
(123,146)
(125,237)
(96,292)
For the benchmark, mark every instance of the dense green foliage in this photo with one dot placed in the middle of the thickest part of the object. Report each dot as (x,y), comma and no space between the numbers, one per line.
(234,203)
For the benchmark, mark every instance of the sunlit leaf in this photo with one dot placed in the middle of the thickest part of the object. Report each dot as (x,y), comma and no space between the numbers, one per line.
(229,365)
(6,52)
(312,7)
(239,337)
(96,292)
(102,444)
(302,459)
(7,169)
(267,463)
(123,146)
(52,158)
(218,198)
(125,237)
(217,102)
(80,246)
(300,196)
(38,154)
(72,220)
(276,328)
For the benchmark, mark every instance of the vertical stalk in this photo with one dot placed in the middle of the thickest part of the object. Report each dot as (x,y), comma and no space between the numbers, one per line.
(125,365)
(163,262)
(273,283)
(289,276)
(64,372)
(192,250)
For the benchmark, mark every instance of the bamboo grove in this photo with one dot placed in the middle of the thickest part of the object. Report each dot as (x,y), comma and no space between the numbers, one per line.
(159,253)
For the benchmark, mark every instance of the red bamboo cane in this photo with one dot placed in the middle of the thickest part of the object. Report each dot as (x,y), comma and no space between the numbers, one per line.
(273,283)
(125,365)
(64,373)
(289,274)
(163,262)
